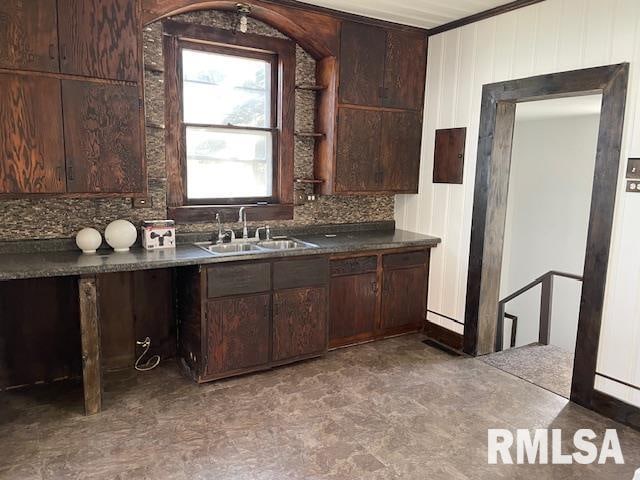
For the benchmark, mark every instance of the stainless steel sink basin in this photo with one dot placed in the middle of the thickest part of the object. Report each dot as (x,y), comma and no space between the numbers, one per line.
(230,248)
(284,244)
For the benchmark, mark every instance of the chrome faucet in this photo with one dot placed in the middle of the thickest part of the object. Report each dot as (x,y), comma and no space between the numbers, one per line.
(222,232)
(242,217)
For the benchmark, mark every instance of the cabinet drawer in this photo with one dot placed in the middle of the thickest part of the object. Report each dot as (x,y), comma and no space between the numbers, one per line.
(405,259)
(352,266)
(238,279)
(305,272)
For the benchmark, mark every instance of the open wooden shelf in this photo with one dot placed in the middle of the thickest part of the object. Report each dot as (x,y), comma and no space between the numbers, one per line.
(314,88)
(310,134)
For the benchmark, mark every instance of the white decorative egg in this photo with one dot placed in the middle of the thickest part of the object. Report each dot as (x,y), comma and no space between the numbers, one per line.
(120,235)
(88,240)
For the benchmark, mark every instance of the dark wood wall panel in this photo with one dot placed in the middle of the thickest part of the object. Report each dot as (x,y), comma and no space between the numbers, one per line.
(99,38)
(29,35)
(39,331)
(102,138)
(31,138)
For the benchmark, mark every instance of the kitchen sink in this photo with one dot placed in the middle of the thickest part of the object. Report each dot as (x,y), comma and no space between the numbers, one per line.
(248,247)
(230,248)
(285,244)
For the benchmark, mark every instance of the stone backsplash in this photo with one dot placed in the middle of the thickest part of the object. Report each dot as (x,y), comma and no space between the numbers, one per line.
(62,218)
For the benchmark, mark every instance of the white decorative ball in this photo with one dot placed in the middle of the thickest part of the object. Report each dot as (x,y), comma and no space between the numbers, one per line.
(120,235)
(88,240)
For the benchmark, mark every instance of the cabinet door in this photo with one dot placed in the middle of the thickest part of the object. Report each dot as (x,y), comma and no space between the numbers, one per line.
(404,298)
(400,151)
(29,35)
(299,322)
(352,303)
(99,38)
(405,70)
(102,138)
(237,333)
(362,52)
(31,142)
(358,151)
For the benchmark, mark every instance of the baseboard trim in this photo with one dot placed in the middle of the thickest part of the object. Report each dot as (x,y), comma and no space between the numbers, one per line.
(444,336)
(616,409)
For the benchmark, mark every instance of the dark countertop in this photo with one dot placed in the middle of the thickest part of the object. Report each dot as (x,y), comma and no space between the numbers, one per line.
(63,263)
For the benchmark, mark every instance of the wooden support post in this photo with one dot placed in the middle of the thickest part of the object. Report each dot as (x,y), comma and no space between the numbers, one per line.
(90,332)
(545,310)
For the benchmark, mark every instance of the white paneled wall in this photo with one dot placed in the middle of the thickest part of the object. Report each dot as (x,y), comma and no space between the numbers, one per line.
(552,36)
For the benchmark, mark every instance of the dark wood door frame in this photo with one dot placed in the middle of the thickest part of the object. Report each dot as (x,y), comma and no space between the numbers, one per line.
(497,120)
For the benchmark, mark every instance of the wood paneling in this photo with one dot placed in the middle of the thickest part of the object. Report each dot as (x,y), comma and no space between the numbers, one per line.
(404,298)
(99,38)
(31,138)
(400,151)
(448,157)
(358,150)
(238,279)
(362,74)
(299,323)
(405,70)
(102,138)
(39,331)
(238,333)
(305,272)
(116,320)
(405,259)
(29,35)
(352,303)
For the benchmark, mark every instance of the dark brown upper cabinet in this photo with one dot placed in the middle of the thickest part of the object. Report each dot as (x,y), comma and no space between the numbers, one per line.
(99,38)
(358,150)
(362,51)
(448,159)
(382,68)
(31,139)
(400,151)
(405,70)
(102,137)
(377,151)
(29,35)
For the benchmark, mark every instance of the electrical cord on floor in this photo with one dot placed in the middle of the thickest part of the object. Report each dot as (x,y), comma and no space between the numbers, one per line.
(149,364)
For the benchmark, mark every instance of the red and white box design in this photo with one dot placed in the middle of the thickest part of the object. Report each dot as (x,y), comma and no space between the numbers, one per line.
(158,234)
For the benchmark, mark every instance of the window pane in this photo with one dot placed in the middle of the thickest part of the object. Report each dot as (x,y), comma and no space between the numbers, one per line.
(228,164)
(224,89)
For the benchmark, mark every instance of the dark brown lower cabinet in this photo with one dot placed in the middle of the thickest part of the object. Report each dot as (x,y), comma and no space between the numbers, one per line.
(375,296)
(299,323)
(237,333)
(240,317)
(353,308)
(404,299)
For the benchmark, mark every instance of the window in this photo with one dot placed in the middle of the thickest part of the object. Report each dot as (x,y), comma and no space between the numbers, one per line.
(228,116)
(230,102)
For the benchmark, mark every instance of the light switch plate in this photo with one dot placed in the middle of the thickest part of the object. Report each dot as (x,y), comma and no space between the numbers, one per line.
(633,169)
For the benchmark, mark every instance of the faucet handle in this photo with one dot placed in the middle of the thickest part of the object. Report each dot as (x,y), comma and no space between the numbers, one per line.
(268,229)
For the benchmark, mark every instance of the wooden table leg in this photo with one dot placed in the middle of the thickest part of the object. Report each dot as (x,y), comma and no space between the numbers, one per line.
(90,332)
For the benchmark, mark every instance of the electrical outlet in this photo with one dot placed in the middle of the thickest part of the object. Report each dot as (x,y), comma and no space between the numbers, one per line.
(633,186)
(141,202)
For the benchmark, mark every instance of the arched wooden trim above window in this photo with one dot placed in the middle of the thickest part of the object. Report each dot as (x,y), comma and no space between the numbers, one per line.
(317,33)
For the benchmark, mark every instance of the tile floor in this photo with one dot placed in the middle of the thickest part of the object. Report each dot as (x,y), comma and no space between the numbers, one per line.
(395,409)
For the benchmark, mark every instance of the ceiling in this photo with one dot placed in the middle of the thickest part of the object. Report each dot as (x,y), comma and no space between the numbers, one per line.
(559,107)
(419,13)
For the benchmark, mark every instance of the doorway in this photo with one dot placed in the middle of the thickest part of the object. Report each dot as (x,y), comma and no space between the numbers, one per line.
(497,121)
(549,196)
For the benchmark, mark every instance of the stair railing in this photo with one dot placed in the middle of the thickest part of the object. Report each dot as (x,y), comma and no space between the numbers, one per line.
(546,303)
